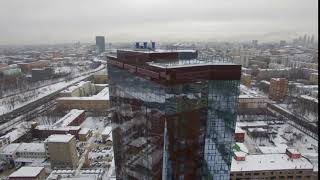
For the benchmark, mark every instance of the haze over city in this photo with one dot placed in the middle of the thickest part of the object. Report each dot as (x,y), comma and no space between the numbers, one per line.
(159,89)
(60,21)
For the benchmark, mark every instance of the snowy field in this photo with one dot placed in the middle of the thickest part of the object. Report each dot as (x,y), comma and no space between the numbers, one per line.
(6,104)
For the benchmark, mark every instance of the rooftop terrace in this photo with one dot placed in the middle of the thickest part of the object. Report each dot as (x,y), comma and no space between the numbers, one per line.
(176,66)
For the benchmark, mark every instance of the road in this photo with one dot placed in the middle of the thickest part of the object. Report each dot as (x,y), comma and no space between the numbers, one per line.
(36,103)
(28,116)
(296,120)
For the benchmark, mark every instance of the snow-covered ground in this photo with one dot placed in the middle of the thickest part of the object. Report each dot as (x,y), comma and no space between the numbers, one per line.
(5,106)
(95,123)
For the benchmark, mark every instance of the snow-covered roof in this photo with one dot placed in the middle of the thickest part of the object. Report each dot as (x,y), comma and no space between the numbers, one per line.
(64,138)
(92,98)
(257,130)
(239,130)
(267,162)
(62,128)
(189,63)
(10,148)
(84,130)
(86,177)
(247,96)
(293,151)
(30,160)
(27,172)
(107,130)
(279,148)
(74,87)
(31,147)
(159,50)
(240,154)
(103,93)
(102,85)
(89,174)
(309,98)
(266,82)
(251,124)
(68,118)
(243,147)
(18,132)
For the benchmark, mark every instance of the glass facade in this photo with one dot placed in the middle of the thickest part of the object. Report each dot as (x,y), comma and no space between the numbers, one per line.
(179,131)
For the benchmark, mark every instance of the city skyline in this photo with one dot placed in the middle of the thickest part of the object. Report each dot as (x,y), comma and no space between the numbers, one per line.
(37,22)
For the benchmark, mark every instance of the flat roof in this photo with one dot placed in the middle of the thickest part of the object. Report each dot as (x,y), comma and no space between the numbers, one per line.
(64,138)
(107,130)
(269,162)
(309,98)
(170,69)
(76,86)
(102,85)
(103,93)
(158,50)
(55,128)
(249,96)
(68,118)
(27,172)
(91,98)
(251,124)
(190,63)
(84,131)
(31,147)
(10,148)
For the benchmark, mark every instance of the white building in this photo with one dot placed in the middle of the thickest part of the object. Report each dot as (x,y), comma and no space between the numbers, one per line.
(23,152)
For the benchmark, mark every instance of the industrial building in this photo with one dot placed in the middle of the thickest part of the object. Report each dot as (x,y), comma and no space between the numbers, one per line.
(27,67)
(174,116)
(61,151)
(70,123)
(83,88)
(23,153)
(249,102)
(95,103)
(271,166)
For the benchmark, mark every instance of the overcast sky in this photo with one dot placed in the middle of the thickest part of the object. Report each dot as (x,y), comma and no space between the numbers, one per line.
(60,21)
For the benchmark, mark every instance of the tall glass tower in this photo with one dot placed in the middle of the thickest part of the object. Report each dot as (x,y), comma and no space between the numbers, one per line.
(100,43)
(174,115)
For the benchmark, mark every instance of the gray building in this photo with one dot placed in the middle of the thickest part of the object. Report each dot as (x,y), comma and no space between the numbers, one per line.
(100,43)
(41,74)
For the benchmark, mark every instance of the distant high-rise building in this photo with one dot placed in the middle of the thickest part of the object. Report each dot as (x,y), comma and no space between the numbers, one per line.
(282,43)
(255,43)
(61,151)
(173,118)
(245,55)
(100,43)
(278,89)
(305,39)
(312,39)
(308,40)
